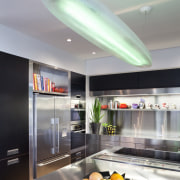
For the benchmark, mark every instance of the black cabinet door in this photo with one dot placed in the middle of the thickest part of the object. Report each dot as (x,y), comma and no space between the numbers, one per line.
(16,168)
(159,79)
(114,82)
(13,104)
(78,84)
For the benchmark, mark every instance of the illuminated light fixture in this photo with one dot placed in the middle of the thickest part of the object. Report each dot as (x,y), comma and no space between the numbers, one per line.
(68,40)
(97,24)
(93,52)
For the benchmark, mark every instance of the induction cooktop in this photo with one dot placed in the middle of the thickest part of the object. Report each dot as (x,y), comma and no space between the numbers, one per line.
(155,154)
(142,157)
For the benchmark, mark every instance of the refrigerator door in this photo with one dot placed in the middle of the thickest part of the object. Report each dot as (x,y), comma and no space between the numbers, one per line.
(62,125)
(44,126)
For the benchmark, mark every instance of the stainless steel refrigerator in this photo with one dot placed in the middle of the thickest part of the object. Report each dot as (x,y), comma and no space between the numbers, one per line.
(51,133)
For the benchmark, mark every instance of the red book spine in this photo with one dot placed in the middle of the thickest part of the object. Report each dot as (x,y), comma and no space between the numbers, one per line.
(45,84)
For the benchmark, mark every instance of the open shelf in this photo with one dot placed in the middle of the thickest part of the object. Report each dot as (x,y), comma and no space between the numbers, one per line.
(141,109)
(78,109)
(51,93)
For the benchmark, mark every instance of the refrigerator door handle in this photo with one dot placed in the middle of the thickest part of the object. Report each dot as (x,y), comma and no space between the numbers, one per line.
(53,136)
(57,132)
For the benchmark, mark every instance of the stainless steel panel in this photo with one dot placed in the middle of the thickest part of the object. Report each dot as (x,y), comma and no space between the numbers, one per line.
(131,92)
(62,118)
(45,127)
(150,124)
(52,165)
(31,126)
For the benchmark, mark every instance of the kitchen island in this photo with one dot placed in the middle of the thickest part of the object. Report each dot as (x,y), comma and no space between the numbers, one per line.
(96,162)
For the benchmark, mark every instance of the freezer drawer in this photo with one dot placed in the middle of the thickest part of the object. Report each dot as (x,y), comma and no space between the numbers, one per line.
(47,167)
(16,168)
(77,156)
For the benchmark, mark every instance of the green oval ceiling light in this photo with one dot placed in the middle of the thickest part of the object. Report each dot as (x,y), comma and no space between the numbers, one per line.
(97,24)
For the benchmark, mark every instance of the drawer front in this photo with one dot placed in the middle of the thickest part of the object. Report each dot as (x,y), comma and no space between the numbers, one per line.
(77,156)
(16,168)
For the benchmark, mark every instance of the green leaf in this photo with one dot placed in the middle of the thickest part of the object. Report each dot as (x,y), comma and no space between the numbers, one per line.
(96,111)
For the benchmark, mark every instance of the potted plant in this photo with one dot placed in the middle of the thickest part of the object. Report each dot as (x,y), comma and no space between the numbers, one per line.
(105,125)
(96,116)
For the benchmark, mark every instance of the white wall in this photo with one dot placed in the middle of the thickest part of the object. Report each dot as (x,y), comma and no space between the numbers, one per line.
(19,44)
(161,59)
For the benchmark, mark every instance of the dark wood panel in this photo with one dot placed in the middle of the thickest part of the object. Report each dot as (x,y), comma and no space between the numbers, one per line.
(114,82)
(14,104)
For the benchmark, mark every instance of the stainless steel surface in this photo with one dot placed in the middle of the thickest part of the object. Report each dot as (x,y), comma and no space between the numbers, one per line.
(106,141)
(53,160)
(31,126)
(62,113)
(45,130)
(132,92)
(12,151)
(52,133)
(51,93)
(78,170)
(13,161)
(150,124)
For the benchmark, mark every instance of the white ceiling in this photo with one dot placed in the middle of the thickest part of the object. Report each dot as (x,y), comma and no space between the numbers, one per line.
(158,30)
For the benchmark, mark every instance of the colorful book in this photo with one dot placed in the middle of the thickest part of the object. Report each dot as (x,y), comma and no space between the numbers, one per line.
(38,82)
(35,81)
(49,85)
(45,84)
(42,84)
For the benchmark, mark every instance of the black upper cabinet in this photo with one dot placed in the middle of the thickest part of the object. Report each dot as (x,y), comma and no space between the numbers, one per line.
(114,82)
(139,80)
(159,79)
(78,84)
(13,104)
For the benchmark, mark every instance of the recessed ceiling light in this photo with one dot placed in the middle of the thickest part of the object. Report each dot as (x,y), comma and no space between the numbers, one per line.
(145,9)
(93,52)
(68,40)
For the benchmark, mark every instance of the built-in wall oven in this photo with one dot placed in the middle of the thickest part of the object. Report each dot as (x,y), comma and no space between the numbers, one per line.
(78,116)
(77,134)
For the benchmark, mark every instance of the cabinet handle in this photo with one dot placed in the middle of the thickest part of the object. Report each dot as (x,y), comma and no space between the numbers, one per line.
(13,161)
(78,154)
(12,152)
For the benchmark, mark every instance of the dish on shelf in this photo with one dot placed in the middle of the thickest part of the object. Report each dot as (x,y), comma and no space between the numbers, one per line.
(123,106)
(104,106)
(134,106)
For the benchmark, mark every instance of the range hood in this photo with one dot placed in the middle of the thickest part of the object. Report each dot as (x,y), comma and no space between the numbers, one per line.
(133,92)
